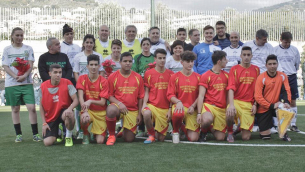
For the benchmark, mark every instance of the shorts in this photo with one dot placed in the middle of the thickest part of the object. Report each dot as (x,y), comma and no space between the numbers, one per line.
(19,95)
(265,120)
(243,112)
(159,118)
(54,126)
(98,120)
(130,121)
(219,115)
(189,119)
(293,86)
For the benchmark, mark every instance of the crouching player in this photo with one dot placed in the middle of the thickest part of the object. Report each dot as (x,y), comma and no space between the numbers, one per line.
(126,93)
(242,78)
(182,92)
(56,106)
(212,98)
(268,88)
(156,107)
(93,92)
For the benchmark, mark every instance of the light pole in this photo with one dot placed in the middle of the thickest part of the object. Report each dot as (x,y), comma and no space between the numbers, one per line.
(152,13)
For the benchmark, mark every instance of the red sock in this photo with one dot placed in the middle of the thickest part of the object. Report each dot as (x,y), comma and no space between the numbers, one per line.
(177,121)
(85,129)
(204,130)
(111,123)
(230,129)
(151,131)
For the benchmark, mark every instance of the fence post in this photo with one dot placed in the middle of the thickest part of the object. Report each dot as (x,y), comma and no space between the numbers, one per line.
(152,13)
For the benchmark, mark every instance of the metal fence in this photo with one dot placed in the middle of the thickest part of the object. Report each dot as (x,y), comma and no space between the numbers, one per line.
(39,24)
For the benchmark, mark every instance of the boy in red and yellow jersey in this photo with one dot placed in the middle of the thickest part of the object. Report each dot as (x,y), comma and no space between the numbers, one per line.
(156,107)
(93,92)
(182,92)
(242,78)
(126,91)
(212,99)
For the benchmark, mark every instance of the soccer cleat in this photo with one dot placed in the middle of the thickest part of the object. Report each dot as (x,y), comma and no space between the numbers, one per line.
(203,137)
(176,138)
(110,140)
(18,138)
(140,134)
(150,139)
(80,136)
(286,138)
(230,138)
(294,128)
(85,140)
(61,132)
(37,138)
(69,141)
(273,130)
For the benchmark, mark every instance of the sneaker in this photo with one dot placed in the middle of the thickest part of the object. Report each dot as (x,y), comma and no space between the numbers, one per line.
(237,130)
(150,139)
(255,128)
(230,138)
(203,137)
(92,137)
(80,136)
(37,138)
(140,134)
(18,138)
(110,141)
(286,138)
(182,135)
(294,128)
(273,130)
(69,141)
(176,138)
(85,140)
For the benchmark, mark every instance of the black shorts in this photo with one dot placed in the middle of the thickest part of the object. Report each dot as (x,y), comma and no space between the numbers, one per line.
(293,83)
(265,120)
(54,126)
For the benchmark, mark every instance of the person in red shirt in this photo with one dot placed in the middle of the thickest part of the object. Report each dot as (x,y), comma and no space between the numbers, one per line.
(156,108)
(58,99)
(268,88)
(182,92)
(212,98)
(93,93)
(126,93)
(242,78)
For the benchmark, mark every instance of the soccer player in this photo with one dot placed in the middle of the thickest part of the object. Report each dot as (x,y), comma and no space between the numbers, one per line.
(93,92)
(126,91)
(194,36)
(242,78)
(103,44)
(19,89)
(204,51)
(212,98)
(289,58)
(269,85)
(233,51)
(182,92)
(156,108)
(174,62)
(56,106)
(116,48)
(222,38)
(181,36)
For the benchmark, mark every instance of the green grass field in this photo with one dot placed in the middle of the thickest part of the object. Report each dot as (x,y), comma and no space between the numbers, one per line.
(31,156)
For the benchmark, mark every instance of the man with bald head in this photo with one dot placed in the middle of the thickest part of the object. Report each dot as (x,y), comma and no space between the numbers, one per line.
(233,51)
(103,44)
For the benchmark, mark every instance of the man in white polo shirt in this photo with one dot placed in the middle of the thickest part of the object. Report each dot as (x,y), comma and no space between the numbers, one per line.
(233,51)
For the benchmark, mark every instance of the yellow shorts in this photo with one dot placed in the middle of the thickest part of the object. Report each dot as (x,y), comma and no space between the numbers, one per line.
(243,112)
(98,120)
(130,121)
(159,117)
(190,120)
(219,115)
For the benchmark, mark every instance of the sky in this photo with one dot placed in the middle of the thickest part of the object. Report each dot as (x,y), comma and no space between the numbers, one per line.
(218,5)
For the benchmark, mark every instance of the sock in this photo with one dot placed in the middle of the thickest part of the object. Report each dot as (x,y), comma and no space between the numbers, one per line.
(294,119)
(177,121)
(34,128)
(275,122)
(18,128)
(85,129)
(68,133)
(151,131)
(111,123)
(206,130)
(230,129)
(77,117)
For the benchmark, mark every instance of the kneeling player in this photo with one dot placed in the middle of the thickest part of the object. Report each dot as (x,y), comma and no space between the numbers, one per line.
(182,92)
(126,91)
(56,106)
(156,107)
(93,92)
(241,87)
(212,98)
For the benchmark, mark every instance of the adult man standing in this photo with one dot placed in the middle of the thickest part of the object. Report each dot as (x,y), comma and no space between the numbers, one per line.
(194,36)
(233,51)
(156,42)
(103,44)
(181,35)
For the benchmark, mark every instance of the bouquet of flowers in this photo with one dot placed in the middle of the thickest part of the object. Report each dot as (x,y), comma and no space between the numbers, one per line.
(21,65)
(151,66)
(108,65)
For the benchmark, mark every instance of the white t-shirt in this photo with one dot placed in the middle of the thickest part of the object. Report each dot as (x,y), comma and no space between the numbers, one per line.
(159,45)
(288,58)
(10,53)
(104,44)
(71,50)
(233,57)
(80,61)
(117,63)
(173,65)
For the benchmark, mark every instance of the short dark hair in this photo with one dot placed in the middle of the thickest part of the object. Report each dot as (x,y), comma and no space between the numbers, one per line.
(160,51)
(286,36)
(152,28)
(116,42)
(261,34)
(176,43)
(207,27)
(188,56)
(246,48)
(125,54)
(271,57)
(181,30)
(54,66)
(89,36)
(220,23)
(145,39)
(93,57)
(218,55)
(191,31)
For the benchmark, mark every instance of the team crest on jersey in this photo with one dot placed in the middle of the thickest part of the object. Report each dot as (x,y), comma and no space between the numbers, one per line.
(187,80)
(55,98)
(161,77)
(92,86)
(126,82)
(218,78)
(202,50)
(26,53)
(247,72)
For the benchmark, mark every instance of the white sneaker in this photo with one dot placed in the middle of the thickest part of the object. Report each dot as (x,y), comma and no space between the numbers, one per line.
(255,129)
(176,138)
(273,130)
(80,136)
